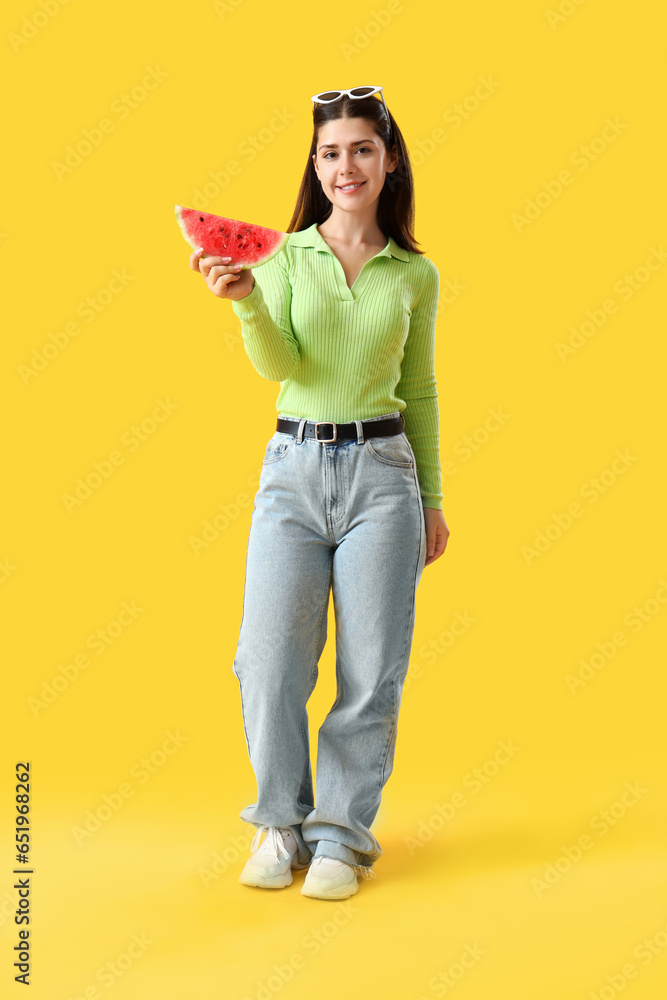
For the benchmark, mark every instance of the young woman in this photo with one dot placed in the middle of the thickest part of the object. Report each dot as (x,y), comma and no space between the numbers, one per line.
(349,497)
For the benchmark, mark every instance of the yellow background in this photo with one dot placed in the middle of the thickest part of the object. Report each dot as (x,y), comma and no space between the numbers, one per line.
(162,867)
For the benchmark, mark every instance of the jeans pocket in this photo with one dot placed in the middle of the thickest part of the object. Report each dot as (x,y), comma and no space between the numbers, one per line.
(391,449)
(278,447)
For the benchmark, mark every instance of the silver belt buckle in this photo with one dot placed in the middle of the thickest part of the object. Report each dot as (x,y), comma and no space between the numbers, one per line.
(318,423)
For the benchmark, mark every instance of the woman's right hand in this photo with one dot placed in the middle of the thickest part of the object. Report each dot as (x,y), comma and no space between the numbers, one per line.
(225,281)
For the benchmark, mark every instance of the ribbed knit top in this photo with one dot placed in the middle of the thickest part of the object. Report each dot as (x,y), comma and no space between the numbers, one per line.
(344,353)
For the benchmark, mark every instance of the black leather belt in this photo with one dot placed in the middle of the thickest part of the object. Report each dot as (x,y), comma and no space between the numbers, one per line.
(335,432)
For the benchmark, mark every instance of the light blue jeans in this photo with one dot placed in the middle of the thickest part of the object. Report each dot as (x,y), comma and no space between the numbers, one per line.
(345,517)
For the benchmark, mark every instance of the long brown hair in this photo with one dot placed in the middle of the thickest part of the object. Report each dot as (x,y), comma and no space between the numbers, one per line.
(396,205)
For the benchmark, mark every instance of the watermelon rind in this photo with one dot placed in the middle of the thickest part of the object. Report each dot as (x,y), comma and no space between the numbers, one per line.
(239,240)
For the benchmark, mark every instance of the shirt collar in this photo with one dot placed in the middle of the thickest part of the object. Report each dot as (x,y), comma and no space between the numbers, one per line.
(311,238)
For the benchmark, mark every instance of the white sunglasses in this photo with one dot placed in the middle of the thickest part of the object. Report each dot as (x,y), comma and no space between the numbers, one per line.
(329,96)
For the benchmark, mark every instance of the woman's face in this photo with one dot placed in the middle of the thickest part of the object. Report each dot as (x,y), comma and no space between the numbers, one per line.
(350,152)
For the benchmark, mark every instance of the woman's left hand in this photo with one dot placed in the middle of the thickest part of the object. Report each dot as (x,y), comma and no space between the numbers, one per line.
(437,534)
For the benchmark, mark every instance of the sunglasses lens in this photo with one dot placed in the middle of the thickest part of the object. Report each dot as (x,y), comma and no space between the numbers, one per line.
(362,91)
(330,95)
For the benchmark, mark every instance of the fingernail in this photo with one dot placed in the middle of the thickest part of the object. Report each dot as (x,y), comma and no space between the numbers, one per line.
(200,250)
(226,258)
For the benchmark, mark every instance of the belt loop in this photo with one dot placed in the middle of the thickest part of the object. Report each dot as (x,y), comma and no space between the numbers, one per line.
(299,433)
(360,431)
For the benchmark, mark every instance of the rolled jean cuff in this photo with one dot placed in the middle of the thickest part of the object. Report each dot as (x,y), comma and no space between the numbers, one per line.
(304,854)
(339,852)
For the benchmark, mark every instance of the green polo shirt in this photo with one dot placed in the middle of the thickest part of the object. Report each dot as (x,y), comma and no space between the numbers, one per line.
(344,353)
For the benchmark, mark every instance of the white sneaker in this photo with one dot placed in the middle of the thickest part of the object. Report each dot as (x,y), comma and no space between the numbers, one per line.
(270,866)
(328,878)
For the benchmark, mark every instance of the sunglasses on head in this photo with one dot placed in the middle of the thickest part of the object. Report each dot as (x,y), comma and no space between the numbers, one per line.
(329,96)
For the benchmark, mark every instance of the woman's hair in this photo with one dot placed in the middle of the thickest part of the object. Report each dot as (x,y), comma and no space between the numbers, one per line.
(396,205)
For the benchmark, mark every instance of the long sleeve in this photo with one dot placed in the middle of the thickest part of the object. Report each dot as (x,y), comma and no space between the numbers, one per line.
(265,320)
(417,387)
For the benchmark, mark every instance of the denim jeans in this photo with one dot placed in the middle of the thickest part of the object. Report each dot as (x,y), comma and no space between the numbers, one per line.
(345,517)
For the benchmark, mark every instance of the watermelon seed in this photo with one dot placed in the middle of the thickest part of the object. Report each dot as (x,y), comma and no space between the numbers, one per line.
(201,218)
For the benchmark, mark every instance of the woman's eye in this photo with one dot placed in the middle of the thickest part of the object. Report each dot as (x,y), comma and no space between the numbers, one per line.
(331,153)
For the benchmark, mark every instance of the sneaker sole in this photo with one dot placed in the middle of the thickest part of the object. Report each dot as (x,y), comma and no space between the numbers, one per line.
(272,882)
(256,880)
(342,892)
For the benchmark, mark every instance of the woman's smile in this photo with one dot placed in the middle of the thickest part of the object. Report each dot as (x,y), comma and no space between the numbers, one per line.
(350,188)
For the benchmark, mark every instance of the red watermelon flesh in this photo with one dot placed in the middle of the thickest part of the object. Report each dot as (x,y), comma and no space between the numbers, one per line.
(245,243)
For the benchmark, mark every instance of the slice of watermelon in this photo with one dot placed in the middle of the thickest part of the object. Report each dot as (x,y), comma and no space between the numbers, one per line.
(245,243)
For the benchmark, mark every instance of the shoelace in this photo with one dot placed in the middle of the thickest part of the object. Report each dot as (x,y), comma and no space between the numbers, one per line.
(273,838)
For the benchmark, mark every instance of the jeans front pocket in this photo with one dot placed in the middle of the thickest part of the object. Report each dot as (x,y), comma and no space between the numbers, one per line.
(278,447)
(391,449)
